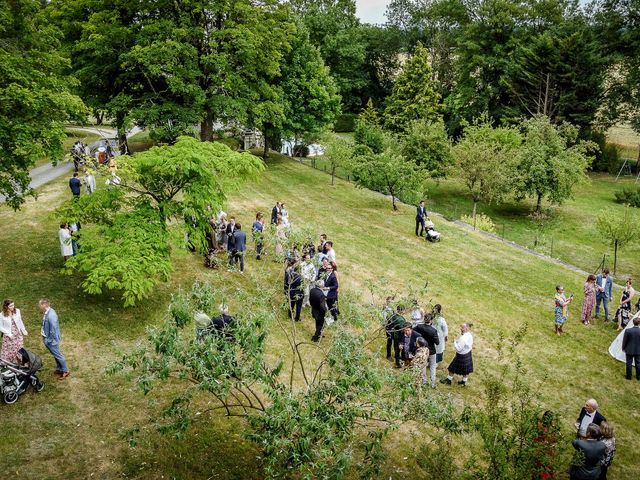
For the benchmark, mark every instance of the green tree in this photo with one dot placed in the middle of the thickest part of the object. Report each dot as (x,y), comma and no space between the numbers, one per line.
(619,229)
(428,145)
(551,163)
(338,152)
(126,239)
(35,95)
(389,172)
(310,418)
(485,159)
(335,29)
(415,94)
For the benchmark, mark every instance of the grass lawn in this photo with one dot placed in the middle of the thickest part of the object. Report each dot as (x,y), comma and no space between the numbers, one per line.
(73,429)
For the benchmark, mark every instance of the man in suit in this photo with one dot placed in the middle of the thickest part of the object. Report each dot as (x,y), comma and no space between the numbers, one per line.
(319,308)
(588,415)
(293,289)
(631,347)
(277,210)
(239,247)
(591,451)
(393,326)
(421,213)
(408,343)
(51,337)
(430,334)
(604,290)
(75,185)
(257,229)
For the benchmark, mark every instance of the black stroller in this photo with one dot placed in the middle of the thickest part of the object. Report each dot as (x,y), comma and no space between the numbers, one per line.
(15,379)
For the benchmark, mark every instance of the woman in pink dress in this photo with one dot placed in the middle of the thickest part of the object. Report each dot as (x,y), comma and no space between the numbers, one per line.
(589,299)
(13,330)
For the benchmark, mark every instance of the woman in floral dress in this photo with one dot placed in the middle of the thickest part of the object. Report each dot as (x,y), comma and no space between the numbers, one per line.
(13,331)
(589,299)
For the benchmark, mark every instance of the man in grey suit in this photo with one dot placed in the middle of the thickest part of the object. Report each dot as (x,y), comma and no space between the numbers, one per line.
(51,337)
(592,450)
(631,347)
(604,292)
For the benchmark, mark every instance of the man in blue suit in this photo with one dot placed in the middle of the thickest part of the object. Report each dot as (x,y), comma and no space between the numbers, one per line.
(51,337)
(421,212)
(604,290)
(239,247)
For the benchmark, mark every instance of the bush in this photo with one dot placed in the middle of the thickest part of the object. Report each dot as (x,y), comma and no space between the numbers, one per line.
(483,222)
(607,156)
(628,196)
(370,135)
(346,122)
(231,142)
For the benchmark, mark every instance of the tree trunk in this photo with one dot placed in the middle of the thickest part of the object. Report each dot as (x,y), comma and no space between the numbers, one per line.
(393,201)
(473,215)
(99,117)
(539,204)
(265,152)
(333,175)
(122,134)
(206,127)
(615,256)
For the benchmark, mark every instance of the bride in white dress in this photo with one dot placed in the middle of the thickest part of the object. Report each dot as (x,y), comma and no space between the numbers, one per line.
(615,349)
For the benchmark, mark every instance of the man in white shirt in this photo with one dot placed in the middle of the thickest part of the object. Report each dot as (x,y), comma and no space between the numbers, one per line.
(588,415)
(331,253)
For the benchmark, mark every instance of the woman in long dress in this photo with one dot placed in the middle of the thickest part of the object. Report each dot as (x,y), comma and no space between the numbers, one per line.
(562,308)
(281,237)
(443,331)
(624,309)
(13,329)
(615,349)
(589,299)
(66,245)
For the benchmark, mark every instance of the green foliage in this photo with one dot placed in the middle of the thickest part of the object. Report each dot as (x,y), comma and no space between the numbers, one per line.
(345,407)
(551,162)
(126,242)
(415,94)
(338,152)
(389,172)
(428,145)
(628,196)
(607,157)
(485,159)
(345,123)
(481,222)
(369,135)
(35,95)
(618,228)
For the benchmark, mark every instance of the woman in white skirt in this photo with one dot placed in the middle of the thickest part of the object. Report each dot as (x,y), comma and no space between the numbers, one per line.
(66,246)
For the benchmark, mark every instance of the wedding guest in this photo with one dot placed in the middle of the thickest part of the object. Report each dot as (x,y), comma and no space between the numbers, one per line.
(322,244)
(417,314)
(66,245)
(51,337)
(308,272)
(394,324)
(258,228)
(277,209)
(591,452)
(631,348)
(562,308)
(13,331)
(427,331)
(75,185)
(89,181)
(420,362)
(332,287)
(285,215)
(330,252)
(462,363)
(408,345)
(293,289)
(239,247)
(319,309)
(609,441)
(624,309)
(589,299)
(588,414)
(604,289)
(281,238)
(441,326)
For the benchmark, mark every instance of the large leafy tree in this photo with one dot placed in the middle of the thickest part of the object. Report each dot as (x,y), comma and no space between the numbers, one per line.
(415,94)
(35,96)
(336,31)
(126,238)
(428,145)
(552,162)
(485,159)
(618,228)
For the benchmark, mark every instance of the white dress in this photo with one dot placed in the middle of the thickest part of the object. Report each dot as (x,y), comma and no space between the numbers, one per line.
(615,349)
(66,248)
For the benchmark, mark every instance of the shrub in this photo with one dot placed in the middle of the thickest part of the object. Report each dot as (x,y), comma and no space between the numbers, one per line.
(628,196)
(606,156)
(345,123)
(483,222)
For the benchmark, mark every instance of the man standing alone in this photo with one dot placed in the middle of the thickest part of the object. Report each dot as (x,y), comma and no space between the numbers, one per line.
(604,287)
(631,347)
(421,213)
(51,337)
(75,185)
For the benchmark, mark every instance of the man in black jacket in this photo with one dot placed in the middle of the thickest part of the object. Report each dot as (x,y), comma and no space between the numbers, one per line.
(239,247)
(319,308)
(588,415)
(277,210)
(293,289)
(592,451)
(430,334)
(408,343)
(421,212)
(75,185)
(631,347)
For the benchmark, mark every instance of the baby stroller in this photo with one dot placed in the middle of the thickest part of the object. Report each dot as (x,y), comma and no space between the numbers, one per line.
(431,234)
(15,379)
